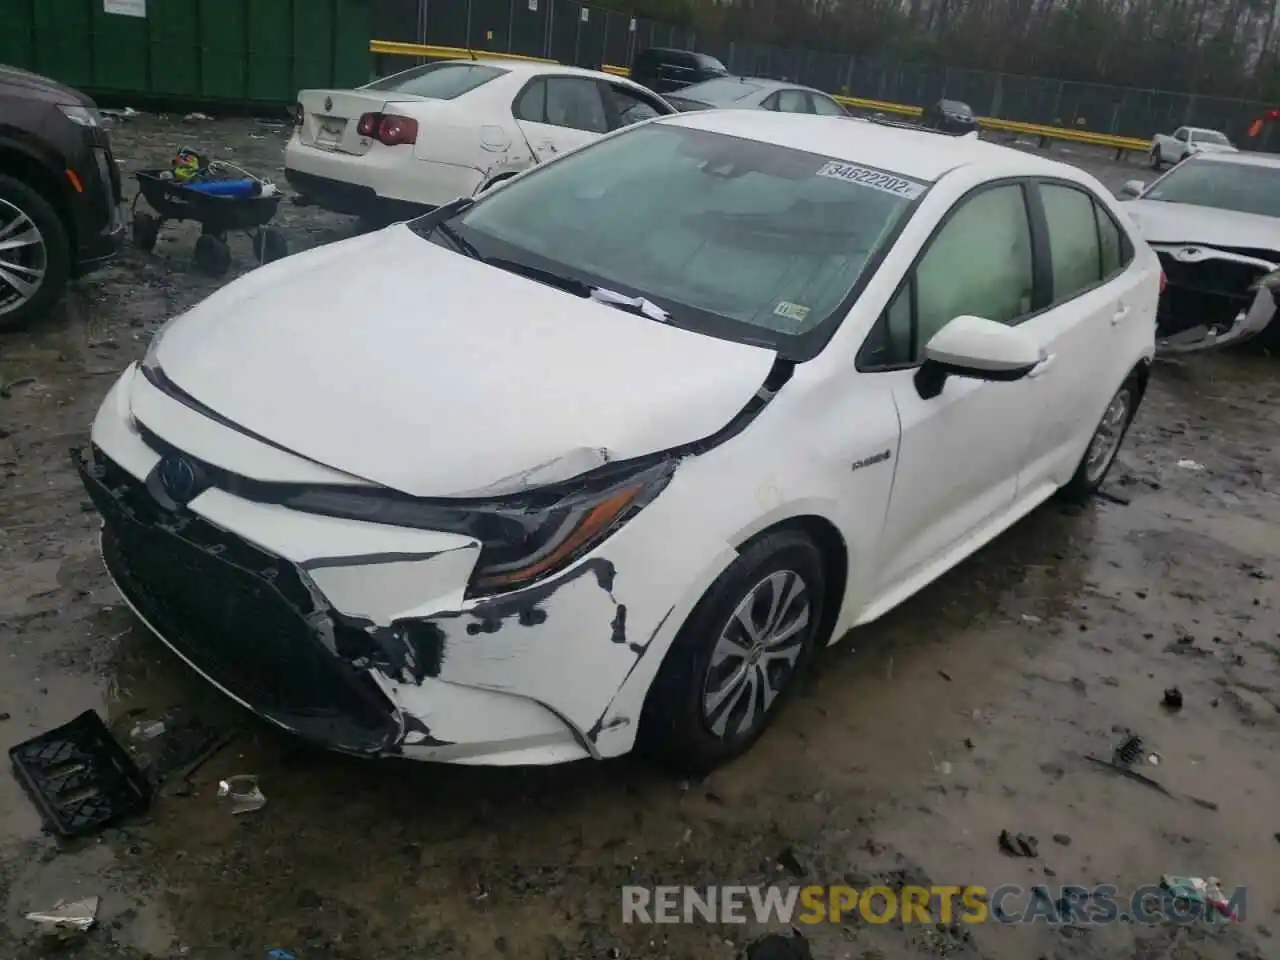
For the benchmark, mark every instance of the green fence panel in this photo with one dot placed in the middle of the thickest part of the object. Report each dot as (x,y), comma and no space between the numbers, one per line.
(120,51)
(223,50)
(17,33)
(64,41)
(352,28)
(174,48)
(312,45)
(270,50)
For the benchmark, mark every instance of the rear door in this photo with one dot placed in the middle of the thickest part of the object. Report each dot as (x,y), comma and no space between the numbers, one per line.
(1091,302)
(626,105)
(559,113)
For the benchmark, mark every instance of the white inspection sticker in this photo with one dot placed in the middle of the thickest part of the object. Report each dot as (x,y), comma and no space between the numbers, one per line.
(886,182)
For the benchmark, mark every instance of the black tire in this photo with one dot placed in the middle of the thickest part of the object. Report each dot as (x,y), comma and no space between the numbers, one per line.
(146,231)
(269,245)
(1157,158)
(1089,477)
(19,200)
(674,726)
(211,256)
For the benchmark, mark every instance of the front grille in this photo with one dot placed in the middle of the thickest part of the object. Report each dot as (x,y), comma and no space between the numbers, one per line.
(242,616)
(1209,293)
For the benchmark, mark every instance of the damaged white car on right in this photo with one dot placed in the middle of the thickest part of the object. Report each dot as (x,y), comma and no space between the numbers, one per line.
(1214,221)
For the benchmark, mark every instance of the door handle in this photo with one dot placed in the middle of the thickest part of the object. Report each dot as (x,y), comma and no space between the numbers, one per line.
(1046,361)
(1121,312)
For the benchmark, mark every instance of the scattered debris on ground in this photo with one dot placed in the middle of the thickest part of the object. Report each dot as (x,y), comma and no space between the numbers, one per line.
(80,914)
(242,793)
(1018,844)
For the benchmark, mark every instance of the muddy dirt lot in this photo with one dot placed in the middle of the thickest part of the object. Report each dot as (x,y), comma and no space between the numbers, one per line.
(917,741)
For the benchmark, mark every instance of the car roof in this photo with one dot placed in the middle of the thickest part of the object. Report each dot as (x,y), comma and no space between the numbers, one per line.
(1204,130)
(533,68)
(911,151)
(1242,158)
(761,87)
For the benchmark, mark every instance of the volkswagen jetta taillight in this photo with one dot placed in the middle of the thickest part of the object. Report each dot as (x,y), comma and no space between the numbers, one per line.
(388,128)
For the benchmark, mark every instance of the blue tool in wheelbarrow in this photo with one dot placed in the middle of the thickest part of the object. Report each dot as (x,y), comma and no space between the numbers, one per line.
(222,197)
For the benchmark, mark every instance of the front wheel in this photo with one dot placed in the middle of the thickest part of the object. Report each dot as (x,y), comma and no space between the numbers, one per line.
(1157,160)
(1104,445)
(35,254)
(736,660)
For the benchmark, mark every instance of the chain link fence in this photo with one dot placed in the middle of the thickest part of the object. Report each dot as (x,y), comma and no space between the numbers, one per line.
(569,31)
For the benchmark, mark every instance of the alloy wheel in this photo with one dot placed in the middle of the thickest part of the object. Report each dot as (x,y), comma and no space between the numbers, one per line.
(755,655)
(1106,439)
(24,258)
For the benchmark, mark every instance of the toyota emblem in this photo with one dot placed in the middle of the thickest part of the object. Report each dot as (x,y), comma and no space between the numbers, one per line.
(328,104)
(180,478)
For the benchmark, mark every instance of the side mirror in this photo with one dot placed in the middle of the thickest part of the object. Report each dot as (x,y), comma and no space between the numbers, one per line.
(1133,188)
(978,349)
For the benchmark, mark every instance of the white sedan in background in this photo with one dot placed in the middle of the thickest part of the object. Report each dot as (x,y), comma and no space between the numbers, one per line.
(410,142)
(605,455)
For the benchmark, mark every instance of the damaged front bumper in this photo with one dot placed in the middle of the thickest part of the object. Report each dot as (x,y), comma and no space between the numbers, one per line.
(1214,297)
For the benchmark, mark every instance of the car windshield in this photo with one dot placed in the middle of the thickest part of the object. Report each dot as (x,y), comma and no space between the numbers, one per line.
(721,91)
(955,106)
(1244,187)
(738,239)
(439,81)
(1210,136)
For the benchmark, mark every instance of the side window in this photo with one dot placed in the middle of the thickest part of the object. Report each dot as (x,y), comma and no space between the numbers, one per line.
(770,102)
(793,101)
(826,107)
(979,263)
(632,107)
(1073,240)
(531,105)
(1116,250)
(1181,134)
(575,103)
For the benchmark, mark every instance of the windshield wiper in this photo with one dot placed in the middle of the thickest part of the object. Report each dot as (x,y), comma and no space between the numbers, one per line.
(460,243)
(549,277)
(641,306)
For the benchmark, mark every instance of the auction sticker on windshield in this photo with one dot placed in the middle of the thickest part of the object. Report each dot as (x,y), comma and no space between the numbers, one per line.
(885,182)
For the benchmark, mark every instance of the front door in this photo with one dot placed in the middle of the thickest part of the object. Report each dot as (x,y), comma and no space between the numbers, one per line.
(556,114)
(960,452)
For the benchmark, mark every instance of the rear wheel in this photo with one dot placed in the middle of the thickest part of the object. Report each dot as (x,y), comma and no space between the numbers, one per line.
(736,660)
(35,254)
(1156,158)
(1105,444)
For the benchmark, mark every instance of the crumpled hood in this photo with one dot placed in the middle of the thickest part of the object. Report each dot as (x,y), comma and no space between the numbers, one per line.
(1161,222)
(395,360)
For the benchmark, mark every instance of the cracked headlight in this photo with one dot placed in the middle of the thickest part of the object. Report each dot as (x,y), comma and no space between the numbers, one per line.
(524,538)
(80,114)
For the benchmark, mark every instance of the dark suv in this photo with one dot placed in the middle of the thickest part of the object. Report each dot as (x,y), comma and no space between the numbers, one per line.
(59,192)
(663,70)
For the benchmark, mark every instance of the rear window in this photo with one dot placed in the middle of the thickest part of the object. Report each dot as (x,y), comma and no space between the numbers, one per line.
(721,91)
(707,62)
(439,81)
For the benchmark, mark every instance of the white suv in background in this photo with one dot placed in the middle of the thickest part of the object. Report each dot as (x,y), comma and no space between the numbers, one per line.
(404,144)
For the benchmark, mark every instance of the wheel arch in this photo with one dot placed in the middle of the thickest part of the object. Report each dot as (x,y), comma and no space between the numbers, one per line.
(27,168)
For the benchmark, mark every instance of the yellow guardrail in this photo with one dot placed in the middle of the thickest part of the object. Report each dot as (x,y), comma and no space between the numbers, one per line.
(1043,133)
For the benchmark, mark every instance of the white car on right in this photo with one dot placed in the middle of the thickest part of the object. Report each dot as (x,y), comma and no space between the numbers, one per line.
(1186,142)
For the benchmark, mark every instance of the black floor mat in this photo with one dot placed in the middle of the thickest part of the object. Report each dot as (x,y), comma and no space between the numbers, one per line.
(80,777)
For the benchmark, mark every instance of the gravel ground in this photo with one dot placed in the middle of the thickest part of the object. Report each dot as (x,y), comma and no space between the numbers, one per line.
(966,712)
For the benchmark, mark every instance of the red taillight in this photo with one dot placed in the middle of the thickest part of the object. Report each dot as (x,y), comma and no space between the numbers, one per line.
(1164,281)
(394,130)
(297,114)
(388,128)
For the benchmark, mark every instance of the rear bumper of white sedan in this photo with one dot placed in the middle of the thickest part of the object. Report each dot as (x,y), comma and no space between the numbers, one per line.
(386,181)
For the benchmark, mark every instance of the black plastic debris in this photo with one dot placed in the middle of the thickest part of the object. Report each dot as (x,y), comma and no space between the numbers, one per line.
(1018,844)
(1172,699)
(776,946)
(79,777)
(1128,752)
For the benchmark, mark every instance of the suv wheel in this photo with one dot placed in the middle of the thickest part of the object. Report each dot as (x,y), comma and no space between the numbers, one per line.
(35,257)
(735,661)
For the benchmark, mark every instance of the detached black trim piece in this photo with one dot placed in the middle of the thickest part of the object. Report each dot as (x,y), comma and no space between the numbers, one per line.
(79,777)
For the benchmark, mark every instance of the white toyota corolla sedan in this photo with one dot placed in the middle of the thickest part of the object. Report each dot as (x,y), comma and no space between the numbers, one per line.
(602,457)
(401,145)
